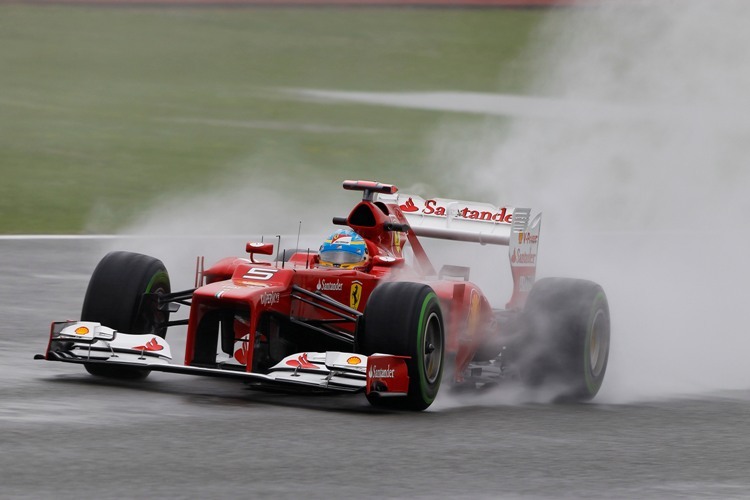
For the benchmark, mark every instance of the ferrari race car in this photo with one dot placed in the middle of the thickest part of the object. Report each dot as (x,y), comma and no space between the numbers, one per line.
(389,325)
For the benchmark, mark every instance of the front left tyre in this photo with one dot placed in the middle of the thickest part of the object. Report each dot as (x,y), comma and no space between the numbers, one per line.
(115,298)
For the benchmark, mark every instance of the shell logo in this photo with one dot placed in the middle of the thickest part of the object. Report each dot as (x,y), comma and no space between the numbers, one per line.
(354,360)
(82,330)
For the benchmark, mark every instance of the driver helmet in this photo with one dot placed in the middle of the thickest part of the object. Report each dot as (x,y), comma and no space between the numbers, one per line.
(344,249)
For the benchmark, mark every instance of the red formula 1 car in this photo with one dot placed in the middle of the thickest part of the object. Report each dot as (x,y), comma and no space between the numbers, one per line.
(389,325)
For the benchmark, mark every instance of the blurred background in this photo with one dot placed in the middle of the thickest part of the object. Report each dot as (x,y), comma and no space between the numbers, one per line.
(111,110)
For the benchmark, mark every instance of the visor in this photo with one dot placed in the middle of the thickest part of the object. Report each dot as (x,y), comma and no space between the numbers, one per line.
(340,257)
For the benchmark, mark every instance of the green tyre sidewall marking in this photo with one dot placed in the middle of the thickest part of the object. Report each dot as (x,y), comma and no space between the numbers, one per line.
(420,358)
(591,385)
(160,276)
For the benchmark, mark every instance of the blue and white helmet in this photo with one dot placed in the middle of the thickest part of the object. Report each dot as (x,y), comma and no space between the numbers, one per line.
(344,249)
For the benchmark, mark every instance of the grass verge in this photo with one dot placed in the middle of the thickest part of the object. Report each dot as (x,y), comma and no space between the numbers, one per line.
(104,111)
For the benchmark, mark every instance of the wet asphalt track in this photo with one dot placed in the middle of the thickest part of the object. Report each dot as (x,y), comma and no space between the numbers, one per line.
(65,434)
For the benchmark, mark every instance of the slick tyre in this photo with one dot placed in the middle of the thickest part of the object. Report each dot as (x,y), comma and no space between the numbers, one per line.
(568,333)
(405,319)
(115,299)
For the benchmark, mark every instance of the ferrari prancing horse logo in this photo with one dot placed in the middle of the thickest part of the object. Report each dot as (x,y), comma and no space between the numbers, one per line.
(355,295)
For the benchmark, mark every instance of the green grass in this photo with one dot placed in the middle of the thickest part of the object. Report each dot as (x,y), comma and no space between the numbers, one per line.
(104,111)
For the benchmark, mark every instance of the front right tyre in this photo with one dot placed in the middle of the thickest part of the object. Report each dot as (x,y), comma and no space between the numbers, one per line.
(405,319)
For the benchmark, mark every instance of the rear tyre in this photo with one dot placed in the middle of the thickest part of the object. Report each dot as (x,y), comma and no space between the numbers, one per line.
(405,319)
(568,335)
(114,298)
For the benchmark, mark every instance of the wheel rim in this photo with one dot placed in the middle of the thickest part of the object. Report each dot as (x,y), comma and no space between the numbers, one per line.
(598,344)
(154,320)
(432,348)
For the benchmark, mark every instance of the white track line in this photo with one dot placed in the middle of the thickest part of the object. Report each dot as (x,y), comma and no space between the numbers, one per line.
(83,237)
(60,237)
(29,237)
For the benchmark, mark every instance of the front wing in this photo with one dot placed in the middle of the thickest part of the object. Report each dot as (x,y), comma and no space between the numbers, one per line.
(90,343)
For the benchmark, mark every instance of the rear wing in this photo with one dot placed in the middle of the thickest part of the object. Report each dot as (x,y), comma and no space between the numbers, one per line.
(479,223)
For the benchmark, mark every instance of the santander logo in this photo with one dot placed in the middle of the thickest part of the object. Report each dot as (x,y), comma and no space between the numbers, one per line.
(302,362)
(330,286)
(386,372)
(151,345)
(434,208)
(409,206)
(523,258)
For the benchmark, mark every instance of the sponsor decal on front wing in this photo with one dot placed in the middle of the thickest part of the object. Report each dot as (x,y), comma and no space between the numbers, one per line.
(303,362)
(151,346)
(387,375)
(386,372)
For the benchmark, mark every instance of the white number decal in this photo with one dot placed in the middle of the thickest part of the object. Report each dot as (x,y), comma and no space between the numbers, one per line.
(260,273)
